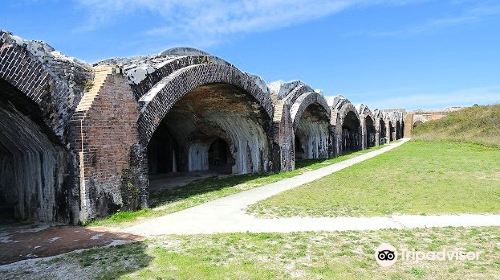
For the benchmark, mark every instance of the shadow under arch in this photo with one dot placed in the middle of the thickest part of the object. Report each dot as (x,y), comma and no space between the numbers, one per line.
(34,165)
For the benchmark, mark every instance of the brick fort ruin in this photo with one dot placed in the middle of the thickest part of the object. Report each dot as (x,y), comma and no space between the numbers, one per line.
(80,141)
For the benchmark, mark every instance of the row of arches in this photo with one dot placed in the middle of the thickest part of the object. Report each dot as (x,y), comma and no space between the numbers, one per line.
(335,127)
(157,121)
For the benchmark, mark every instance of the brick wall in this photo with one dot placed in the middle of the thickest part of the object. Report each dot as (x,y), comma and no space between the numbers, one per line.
(110,140)
(283,149)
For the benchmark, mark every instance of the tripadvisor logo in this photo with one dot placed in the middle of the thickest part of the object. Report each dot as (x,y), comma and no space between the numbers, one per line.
(386,255)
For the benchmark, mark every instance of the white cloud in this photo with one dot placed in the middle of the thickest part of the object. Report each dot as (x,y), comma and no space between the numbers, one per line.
(212,21)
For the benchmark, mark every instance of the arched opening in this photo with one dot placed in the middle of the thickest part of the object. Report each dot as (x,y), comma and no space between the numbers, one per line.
(417,123)
(214,129)
(403,129)
(351,133)
(32,166)
(311,133)
(392,132)
(161,153)
(398,130)
(370,132)
(219,157)
(383,132)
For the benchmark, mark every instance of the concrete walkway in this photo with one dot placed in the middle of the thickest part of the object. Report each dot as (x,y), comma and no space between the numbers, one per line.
(227,214)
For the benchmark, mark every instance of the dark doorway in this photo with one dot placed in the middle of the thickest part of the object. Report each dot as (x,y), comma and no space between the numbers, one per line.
(218,157)
(403,129)
(351,133)
(370,132)
(162,158)
(398,130)
(299,151)
(392,131)
(383,132)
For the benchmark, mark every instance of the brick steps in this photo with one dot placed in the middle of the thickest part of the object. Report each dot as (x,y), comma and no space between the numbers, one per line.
(101,74)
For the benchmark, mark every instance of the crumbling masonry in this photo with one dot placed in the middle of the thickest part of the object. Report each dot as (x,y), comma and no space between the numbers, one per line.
(80,141)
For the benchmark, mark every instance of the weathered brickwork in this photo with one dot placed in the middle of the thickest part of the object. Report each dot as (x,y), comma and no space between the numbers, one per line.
(103,132)
(53,81)
(156,103)
(380,127)
(310,115)
(283,146)
(369,132)
(108,129)
(22,71)
(348,130)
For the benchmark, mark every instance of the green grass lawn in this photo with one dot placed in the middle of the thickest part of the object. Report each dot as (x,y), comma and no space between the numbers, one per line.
(344,255)
(419,177)
(202,191)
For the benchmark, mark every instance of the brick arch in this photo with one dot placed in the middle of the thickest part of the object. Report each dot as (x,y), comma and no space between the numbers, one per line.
(54,83)
(24,72)
(341,112)
(289,91)
(390,128)
(299,89)
(304,101)
(340,108)
(312,136)
(157,103)
(35,184)
(176,64)
(364,111)
(398,129)
(419,119)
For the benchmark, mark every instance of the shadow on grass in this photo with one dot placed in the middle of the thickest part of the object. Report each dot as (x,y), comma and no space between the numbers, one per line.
(116,261)
(304,163)
(103,263)
(217,183)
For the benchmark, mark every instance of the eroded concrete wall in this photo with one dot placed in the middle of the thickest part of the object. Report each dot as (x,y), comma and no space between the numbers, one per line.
(33,181)
(313,134)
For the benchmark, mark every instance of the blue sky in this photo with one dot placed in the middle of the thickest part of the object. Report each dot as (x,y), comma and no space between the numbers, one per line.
(384,53)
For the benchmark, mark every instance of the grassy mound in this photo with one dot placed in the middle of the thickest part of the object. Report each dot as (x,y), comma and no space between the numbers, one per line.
(477,124)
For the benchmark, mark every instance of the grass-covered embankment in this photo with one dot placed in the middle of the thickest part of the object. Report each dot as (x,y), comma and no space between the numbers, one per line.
(476,124)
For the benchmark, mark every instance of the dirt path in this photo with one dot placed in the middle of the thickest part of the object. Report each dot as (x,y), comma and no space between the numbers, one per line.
(28,241)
